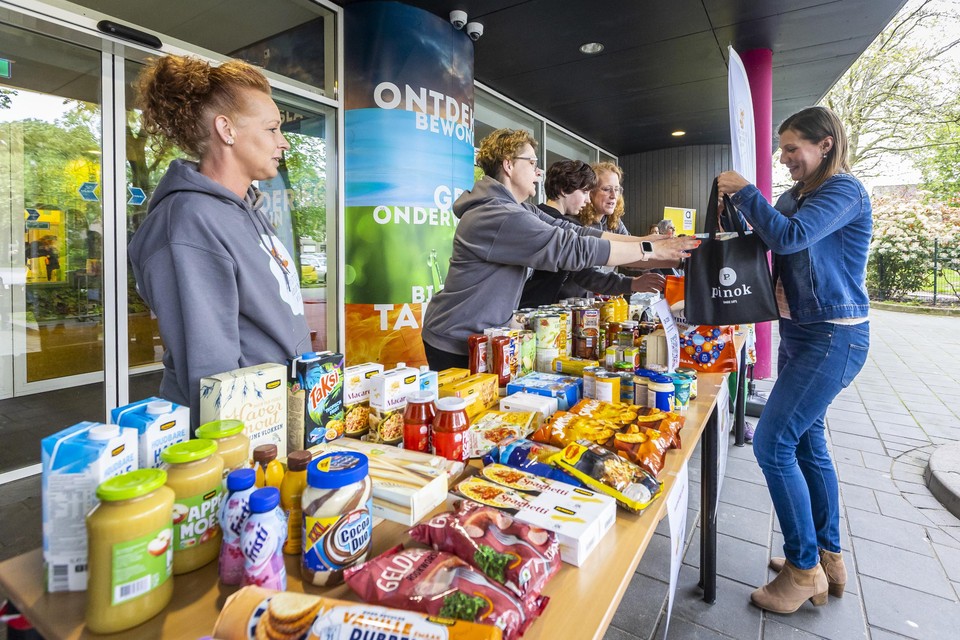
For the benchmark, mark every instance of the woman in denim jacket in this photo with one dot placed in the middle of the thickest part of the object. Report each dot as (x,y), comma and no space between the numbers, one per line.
(819,233)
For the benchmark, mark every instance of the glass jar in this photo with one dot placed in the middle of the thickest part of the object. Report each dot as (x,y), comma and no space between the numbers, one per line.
(450,429)
(195,473)
(233,445)
(337,520)
(130,551)
(418,419)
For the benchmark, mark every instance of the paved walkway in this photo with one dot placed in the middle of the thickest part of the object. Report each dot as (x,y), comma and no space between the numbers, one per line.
(901,547)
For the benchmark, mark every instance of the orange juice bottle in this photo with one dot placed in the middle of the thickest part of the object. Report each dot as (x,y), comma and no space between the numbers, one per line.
(291,491)
(269,469)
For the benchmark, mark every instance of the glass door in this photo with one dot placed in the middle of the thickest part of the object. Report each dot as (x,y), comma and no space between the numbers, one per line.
(51,221)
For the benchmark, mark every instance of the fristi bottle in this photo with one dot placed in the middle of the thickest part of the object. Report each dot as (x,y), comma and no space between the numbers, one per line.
(269,469)
(291,491)
(130,551)
(262,540)
(233,514)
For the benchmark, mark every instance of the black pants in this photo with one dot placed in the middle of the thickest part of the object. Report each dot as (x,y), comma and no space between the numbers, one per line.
(440,360)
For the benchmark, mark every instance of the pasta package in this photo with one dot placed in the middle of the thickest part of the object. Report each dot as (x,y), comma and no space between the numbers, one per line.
(519,556)
(605,471)
(532,457)
(441,584)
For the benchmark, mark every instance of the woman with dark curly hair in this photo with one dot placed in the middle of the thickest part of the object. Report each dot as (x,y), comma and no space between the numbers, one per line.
(500,237)
(207,261)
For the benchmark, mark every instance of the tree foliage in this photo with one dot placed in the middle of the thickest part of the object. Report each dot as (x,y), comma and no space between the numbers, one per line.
(903,87)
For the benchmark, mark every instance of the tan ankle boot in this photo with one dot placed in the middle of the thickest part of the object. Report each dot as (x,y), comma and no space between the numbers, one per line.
(792,586)
(833,567)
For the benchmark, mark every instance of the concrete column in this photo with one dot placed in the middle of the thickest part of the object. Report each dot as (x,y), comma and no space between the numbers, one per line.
(759,66)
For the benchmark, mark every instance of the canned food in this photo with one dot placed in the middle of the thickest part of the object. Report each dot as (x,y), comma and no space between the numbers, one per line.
(608,386)
(551,333)
(590,381)
(692,375)
(585,345)
(626,387)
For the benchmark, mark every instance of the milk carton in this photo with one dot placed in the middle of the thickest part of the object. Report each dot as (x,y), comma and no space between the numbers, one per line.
(159,424)
(315,399)
(256,396)
(388,399)
(74,462)
(356,397)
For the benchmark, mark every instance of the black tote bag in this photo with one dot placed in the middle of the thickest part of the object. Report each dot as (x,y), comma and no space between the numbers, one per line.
(728,281)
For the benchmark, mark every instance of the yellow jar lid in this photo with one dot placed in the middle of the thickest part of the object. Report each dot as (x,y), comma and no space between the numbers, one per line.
(132,484)
(189,451)
(220,429)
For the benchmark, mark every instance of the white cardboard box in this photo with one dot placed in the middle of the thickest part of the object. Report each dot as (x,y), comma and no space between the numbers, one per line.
(542,406)
(159,423)
(257,396)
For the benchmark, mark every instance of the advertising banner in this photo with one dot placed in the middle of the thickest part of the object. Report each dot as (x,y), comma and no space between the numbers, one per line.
(743,142)
(408,93)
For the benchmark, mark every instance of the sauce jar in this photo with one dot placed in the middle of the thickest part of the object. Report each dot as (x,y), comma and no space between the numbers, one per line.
(130,551)
(337,521)
(418,419)
(232,444)
(450,429)
(269,469)
(660,392)
(195,473)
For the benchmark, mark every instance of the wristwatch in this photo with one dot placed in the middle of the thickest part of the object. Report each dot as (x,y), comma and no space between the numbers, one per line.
(646,249)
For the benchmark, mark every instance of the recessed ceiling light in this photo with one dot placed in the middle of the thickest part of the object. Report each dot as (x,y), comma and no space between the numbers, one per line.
(591,47)
(678,133)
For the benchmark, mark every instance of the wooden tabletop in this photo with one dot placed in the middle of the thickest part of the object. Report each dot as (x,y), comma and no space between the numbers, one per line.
(582,599)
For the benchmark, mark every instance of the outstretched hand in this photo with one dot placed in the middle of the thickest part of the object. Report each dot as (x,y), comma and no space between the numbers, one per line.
(678,248)
(648,283)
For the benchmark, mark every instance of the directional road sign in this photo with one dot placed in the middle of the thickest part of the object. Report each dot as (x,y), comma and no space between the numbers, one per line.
(88,191)
(137,196)
(33,214)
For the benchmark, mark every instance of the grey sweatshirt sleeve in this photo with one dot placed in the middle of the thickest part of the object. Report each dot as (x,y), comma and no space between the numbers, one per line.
(549,246)
(563,223)
(605,282)
(199,312)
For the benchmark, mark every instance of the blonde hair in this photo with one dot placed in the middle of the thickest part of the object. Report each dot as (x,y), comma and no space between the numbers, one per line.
(588,213)
(502,144)
(180,95)
(814,124)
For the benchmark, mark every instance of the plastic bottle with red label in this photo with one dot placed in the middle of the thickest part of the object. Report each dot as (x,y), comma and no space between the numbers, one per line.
(450,429)
(418,419)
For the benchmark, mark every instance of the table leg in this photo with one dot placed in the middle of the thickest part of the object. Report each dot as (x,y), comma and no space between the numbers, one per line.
(739,405)
(709,467)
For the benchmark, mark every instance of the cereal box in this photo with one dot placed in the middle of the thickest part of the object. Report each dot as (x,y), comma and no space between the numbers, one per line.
(356,397)
(73,463)
(388,399)
(479,390)
(315,399)
(253,395)
(159,423)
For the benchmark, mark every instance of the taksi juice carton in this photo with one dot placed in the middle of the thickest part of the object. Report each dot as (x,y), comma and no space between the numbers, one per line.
(74,462)
(315,399)
(159,424)
(256,396)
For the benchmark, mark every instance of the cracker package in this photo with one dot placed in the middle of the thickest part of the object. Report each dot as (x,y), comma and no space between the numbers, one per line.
(256,396)
(356,397)
(315,399)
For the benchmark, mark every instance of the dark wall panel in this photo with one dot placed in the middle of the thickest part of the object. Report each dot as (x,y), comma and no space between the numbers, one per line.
(674,177)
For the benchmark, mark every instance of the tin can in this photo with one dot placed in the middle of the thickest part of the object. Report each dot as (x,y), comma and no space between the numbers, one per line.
(590,381)
(607,386)
(692,374)
(626,386)
(527,359)
(640,390)
(549,331)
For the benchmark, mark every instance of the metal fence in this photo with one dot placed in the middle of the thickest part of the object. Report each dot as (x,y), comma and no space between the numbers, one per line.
(930,279)
(945,281)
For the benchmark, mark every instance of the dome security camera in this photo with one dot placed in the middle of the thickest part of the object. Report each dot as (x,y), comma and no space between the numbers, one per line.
(458,19)
(474,30)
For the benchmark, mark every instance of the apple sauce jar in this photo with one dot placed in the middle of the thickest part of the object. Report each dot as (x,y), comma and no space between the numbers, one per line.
(130,552)
(195,473)
(233,445)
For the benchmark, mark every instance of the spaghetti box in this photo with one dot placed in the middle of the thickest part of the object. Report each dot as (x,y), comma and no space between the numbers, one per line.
(580,517)
(158,422)
(315,399)
(73,463)
(450,376)
(479,390)
(256,396)
(542,407)
(388,399)
(356,397)
(566,389)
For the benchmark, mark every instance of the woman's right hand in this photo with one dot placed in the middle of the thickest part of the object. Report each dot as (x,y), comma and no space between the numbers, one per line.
(667,248)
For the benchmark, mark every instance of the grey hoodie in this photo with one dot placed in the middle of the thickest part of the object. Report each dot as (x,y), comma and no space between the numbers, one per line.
(496,242)
(224,289)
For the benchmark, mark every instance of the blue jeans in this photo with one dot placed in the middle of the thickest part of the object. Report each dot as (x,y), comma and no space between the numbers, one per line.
(815,362)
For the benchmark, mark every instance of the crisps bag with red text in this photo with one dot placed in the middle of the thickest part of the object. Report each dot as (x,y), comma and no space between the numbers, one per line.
(706,348)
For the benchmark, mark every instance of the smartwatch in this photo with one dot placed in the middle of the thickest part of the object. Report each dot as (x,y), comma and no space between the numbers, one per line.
(646,248)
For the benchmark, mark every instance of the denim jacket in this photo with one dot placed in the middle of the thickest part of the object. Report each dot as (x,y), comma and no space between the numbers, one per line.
(820,244)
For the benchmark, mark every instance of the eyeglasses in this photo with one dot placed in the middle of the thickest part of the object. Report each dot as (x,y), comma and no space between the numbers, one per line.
(612,191)
(531,159)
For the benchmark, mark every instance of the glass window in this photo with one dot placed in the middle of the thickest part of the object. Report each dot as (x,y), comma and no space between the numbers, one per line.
(606,157)
(491,113)
(277,35)
(51,221)
(561,146)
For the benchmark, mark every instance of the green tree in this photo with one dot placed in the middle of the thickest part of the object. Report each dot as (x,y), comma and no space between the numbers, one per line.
(940,163)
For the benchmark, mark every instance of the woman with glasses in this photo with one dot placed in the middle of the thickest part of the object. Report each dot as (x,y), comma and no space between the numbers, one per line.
(605,208)
(499,238)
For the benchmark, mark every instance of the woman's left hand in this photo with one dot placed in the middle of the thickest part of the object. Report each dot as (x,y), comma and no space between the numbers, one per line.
(729,182)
